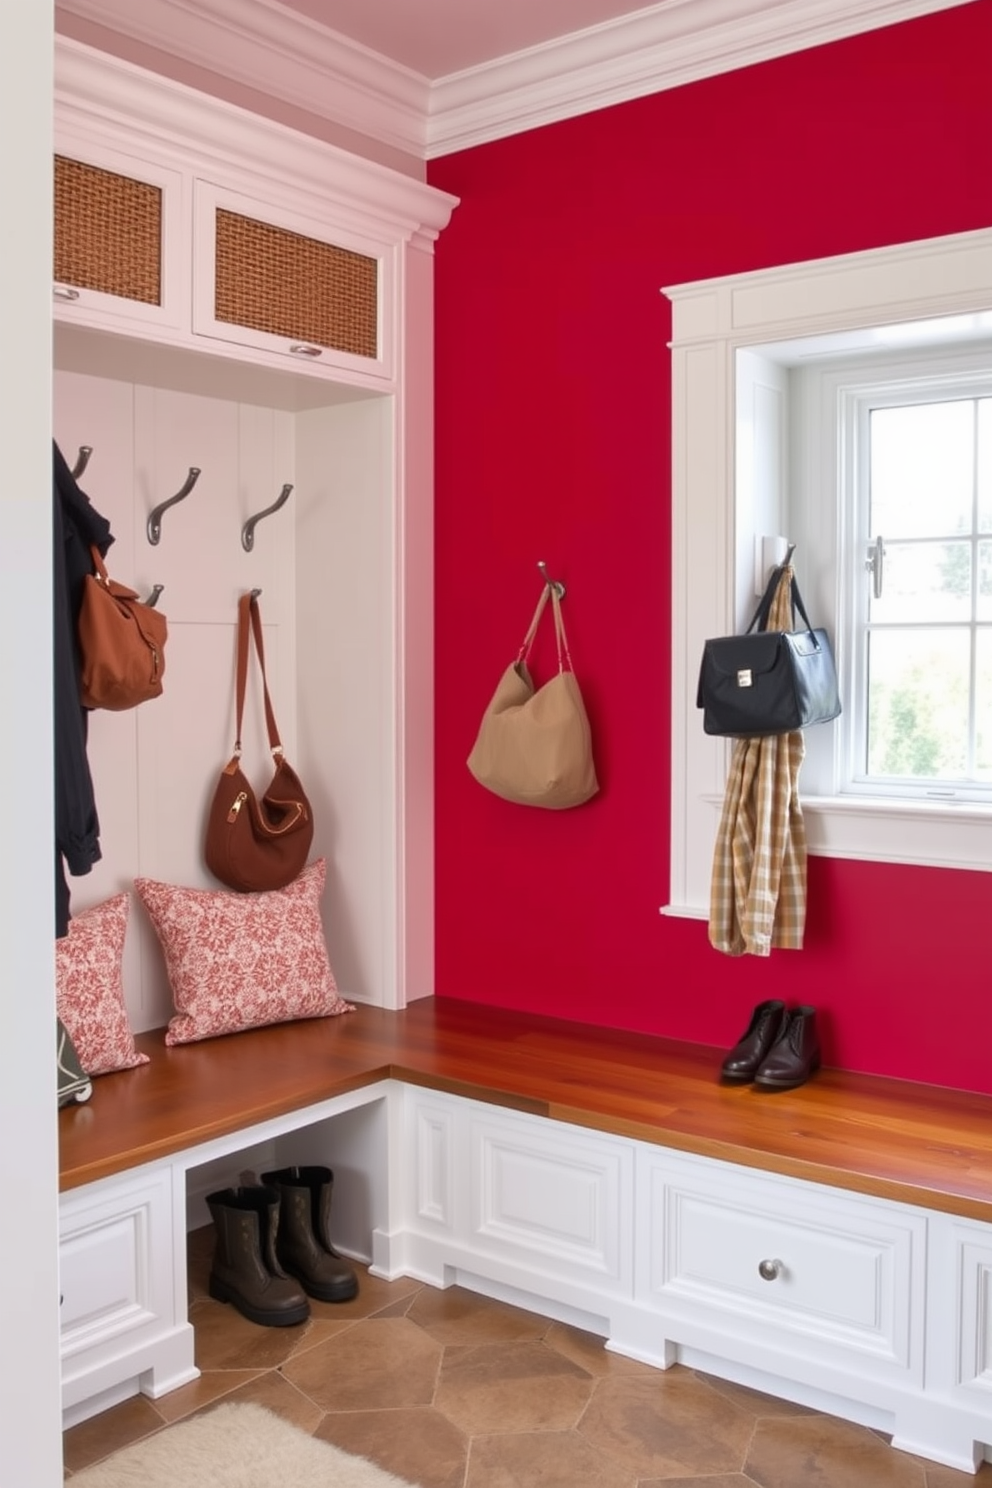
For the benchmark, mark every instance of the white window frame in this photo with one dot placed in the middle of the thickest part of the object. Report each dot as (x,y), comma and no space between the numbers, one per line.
(855,300)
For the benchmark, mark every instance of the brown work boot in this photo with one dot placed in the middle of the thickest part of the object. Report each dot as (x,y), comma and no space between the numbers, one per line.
(304,1242)
(245,1269)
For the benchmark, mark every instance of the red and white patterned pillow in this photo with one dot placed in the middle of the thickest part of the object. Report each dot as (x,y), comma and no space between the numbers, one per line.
(89,989)
(239,961)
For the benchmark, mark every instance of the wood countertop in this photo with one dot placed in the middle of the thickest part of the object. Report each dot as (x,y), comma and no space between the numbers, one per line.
(912,1143)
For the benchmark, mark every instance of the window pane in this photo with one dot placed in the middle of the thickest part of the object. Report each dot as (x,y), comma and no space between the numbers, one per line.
(985,465)
(921,469)
(918,703)
(923,582)
(984,610)
(983,707)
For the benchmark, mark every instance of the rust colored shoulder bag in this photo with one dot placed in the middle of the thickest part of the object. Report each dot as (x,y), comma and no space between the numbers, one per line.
(121,644)
(254,844)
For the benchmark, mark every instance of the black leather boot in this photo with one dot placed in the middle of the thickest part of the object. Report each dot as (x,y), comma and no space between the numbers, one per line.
(796,1054)
(751,1049)
(304,1240)
(245,1270)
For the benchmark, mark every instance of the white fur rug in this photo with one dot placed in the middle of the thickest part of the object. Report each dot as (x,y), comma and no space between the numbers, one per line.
(233,1446)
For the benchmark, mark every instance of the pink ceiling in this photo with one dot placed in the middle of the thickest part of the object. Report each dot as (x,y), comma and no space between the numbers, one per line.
(438,37)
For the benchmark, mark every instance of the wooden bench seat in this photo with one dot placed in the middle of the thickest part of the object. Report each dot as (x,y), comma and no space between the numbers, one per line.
(898,1140)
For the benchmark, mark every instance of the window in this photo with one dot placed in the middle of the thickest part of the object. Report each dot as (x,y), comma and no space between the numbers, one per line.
(898,498)
(851,352)
(921,504)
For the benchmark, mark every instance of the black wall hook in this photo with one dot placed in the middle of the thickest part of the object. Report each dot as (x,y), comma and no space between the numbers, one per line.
(154,526)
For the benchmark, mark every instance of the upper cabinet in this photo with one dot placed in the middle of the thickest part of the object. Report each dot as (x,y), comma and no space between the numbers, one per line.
(205,227)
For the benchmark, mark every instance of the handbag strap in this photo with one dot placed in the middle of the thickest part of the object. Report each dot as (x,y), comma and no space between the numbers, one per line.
(99,567)
(561,641)
(760,616)
(250,625)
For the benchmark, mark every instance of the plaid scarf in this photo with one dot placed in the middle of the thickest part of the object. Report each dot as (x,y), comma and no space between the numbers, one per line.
(758,883)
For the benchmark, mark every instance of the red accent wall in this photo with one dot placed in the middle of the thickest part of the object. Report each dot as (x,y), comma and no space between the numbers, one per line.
(554,443)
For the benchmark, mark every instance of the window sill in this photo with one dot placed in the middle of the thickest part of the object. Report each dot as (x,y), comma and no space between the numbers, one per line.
(931,834)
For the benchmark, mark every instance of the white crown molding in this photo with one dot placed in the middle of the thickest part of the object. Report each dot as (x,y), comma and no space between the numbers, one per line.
(676,42)
(97,92)
(276,51)
(265,46)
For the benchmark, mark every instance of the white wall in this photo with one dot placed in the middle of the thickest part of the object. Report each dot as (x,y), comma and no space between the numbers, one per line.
(30,1416)
(155,767)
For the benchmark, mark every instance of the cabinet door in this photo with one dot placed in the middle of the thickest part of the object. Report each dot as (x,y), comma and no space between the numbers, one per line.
(119,258)
(116,1268)
(974,1265)
(288,286)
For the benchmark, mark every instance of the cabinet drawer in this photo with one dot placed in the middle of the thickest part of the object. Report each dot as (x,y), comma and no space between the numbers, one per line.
(283,284)
(793,1260)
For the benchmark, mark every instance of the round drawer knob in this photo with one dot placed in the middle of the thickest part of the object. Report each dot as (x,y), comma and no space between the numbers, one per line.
(770,1270)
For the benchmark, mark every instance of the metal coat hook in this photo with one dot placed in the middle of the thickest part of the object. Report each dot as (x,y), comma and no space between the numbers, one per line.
(248,530)
(555,584)
(152,599)
(154,527)
(82,460)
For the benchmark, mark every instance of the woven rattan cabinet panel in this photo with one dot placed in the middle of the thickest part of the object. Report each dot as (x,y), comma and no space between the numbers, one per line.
(117,254)
(272,280)
(108,231)
(290,286)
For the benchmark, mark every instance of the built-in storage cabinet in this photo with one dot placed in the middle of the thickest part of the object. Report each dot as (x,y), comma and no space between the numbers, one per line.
(236,274)
(118,259)
(279,282)
(123,1241)
(266,355)
(873,1310)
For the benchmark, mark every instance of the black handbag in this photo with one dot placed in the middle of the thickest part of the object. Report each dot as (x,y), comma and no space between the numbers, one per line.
(768,681)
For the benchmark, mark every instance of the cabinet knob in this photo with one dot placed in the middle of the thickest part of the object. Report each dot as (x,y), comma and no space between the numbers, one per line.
(301,349)
(770,1270)
(63,292)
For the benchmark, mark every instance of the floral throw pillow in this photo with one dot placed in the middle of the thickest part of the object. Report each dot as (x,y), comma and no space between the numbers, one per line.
(238,961)
(89,989)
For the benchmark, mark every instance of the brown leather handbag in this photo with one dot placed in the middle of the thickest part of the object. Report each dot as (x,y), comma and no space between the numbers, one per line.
(254,844)
(121,644)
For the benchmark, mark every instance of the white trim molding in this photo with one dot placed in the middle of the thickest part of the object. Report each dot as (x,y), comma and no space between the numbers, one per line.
(281,54)
(126,103)
(712,320)
(266,46)
(648,51)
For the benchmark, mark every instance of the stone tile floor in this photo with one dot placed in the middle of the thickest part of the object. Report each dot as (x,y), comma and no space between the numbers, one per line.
(451,1390)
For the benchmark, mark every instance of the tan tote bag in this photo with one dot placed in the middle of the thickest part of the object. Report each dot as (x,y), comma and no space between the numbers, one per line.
(534,746)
